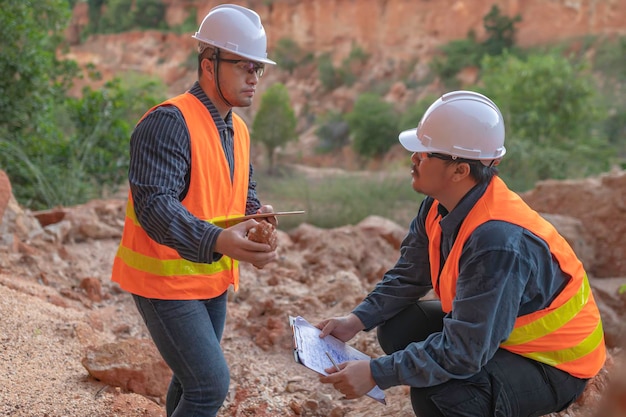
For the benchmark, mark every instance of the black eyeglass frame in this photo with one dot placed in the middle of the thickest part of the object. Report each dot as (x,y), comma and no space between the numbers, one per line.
(257,67)
(441,156)
(451,158)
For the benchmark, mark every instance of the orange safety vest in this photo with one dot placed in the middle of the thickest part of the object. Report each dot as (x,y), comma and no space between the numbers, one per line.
(568,333)
(149,269)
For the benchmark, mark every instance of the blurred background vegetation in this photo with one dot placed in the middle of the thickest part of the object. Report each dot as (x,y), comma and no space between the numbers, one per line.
(565,113)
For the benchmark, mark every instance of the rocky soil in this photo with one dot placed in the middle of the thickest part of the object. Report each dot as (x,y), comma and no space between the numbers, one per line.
(73,345)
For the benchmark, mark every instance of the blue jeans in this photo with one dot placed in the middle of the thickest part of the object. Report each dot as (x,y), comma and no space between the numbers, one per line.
(187,334)
(509,385)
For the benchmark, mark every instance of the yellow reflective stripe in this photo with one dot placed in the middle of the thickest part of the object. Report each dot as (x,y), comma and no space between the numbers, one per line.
(224,219)
(130,213)
(557,357)
(553,320)
(171,267)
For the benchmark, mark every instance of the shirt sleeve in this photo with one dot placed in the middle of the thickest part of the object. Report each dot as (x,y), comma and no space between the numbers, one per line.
(405,283)
(158,175)
(253,204)
(495,268)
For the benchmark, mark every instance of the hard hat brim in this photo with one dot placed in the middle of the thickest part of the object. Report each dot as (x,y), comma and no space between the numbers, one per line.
(409,140)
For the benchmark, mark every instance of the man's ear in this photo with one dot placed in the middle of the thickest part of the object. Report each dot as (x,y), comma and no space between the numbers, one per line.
(207,67)
(461,171)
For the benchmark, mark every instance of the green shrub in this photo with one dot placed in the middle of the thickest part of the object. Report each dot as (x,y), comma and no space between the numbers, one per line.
(332,131)
(288,55)
(459,54)
(275,123)
(455,56)
(332,77)
(328,74)
(373,125)
(115,16)
(552,117)
(149,14)
(86,155)
(500,31)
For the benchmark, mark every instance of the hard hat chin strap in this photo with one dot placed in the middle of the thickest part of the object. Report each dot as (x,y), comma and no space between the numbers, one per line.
(216,67)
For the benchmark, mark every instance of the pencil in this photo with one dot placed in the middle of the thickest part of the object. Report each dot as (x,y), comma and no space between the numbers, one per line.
(333,361)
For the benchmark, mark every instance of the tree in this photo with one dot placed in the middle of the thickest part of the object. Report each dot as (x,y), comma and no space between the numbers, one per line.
(33,84)
(552,118)
(289,55)
(373,124)
(332,131)
(500,30)
(58,149)
(468,52)
(275,123)
(33,79)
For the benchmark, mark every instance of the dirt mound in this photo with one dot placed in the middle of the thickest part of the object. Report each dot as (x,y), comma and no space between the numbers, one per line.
(62,315)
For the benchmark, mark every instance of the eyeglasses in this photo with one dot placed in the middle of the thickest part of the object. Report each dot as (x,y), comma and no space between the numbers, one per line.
(248,66)
(423,155)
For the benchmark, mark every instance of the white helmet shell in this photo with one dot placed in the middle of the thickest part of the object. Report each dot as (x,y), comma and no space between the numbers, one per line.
(464,124)
(235,29)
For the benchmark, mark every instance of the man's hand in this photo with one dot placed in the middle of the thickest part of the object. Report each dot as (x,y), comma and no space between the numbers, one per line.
(269,209)
(343,328)
(354,379)
(232,242)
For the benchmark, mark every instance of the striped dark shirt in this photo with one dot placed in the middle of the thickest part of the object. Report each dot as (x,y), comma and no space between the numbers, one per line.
(159,174)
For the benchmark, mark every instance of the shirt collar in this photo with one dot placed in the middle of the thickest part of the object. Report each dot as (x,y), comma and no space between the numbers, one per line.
(451,221)
(220,123)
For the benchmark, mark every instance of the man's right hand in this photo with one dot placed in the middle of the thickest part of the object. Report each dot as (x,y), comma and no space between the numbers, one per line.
(343,328)
(233,242)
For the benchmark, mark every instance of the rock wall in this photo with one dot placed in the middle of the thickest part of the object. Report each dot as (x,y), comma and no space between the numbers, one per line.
(401,29)
(392,32)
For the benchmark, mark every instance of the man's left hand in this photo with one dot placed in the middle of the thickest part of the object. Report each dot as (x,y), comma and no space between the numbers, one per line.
(354,379)
(269,209)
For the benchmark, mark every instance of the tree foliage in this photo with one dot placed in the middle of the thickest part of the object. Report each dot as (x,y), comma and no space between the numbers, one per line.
(373,124)
(57,149)
(275,123)
(500,31)
(552,116)
(33,79)
(332,131)
(468,52)
(114,16)
(289,55)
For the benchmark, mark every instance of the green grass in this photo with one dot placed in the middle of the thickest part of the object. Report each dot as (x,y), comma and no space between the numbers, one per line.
(342,199)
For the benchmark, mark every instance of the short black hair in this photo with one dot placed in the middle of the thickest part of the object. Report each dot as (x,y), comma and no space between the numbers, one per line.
(207,52)
(479,171)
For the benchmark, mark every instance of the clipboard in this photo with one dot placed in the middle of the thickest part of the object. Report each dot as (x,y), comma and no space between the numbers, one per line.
(238,219)
(318,353)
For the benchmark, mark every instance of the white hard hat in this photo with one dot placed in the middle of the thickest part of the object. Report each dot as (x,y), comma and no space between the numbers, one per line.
(464,124)
(235,29)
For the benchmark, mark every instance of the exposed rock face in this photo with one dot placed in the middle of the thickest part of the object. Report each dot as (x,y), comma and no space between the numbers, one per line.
(394,33)
(600,205)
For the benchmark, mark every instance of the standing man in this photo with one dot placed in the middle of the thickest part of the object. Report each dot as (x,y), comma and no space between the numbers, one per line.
(515,330)
(190,167)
